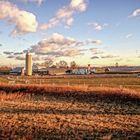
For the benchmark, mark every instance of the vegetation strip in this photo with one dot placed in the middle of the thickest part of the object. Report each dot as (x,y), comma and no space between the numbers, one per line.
(74,92)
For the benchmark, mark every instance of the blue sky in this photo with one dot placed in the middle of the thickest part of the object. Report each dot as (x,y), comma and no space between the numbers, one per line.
(86,31)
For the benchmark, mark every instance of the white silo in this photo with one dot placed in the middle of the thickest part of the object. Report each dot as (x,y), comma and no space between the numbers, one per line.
(28,64)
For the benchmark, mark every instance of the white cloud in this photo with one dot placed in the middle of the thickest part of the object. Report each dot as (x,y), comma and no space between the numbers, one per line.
(97,26)
(52,23)
(70,21)
(24,21)
(36,1)
(8,52)
(129,35)
(65,14)
(79,5)
(95,57)
(108,56)
(91,41)
(53,45)
(22,58)
(96,51)
(135,13)
(57,45)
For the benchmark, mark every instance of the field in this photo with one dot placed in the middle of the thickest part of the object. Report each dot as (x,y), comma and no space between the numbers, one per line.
(53,111)
(96,80)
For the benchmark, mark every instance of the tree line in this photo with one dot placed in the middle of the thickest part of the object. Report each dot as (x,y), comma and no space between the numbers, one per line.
(60,64)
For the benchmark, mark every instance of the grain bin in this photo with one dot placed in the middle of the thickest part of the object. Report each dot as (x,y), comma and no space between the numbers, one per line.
(28,64)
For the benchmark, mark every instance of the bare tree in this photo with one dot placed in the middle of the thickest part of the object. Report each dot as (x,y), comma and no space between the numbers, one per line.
(73,64)
(63,64)
(117,64)
(48,63)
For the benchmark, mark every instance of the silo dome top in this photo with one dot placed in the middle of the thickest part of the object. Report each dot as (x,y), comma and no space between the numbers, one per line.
(28,53)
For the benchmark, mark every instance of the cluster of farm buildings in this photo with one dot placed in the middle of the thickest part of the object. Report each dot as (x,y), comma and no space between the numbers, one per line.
(37,70)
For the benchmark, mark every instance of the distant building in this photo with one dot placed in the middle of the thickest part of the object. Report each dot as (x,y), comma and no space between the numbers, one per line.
(35,67)
(81,71)
(49,71)
(28,64)
(107,69)
(17,71)
(123,69)
(43,71)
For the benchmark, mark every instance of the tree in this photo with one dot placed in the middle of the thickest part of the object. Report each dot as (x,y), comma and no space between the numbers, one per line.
(117,64)
(5,70)
(73,64)
(48,63)
(63,64)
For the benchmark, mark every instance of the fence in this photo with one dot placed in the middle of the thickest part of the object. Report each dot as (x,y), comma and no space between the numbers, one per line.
(68,83)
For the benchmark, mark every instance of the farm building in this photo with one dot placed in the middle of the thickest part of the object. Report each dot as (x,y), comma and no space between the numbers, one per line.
(17,71)
(119,69)
(81,71)
(49,71)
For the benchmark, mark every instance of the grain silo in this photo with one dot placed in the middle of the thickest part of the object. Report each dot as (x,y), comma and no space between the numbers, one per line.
(28,64)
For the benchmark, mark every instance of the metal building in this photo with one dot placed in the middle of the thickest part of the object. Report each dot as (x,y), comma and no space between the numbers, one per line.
(17,71)
(28,64)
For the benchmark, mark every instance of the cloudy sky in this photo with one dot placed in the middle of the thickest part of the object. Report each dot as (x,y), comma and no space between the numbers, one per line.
(99,32)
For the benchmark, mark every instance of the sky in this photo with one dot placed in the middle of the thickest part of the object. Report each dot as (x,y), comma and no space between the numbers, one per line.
(96,32)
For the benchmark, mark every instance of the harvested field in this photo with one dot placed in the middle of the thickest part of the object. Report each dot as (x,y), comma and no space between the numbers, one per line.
(65,112)
(126,81)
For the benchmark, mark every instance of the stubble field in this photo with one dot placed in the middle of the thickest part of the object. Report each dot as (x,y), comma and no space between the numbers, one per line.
(68,112)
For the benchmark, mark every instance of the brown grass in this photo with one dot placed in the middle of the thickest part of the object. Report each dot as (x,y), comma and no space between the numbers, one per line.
(77,92)
(63,112)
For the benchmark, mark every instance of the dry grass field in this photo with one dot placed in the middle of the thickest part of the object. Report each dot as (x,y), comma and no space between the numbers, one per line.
(65,112)
(129,81)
